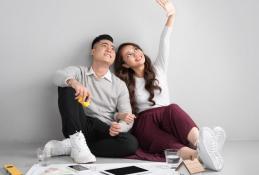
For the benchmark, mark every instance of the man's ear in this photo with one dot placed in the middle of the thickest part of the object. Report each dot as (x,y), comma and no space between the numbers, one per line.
(92,52)
(125,65)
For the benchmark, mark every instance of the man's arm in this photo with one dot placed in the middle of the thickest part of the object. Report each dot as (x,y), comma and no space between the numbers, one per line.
(81,90)
(62,76)
(124,106)
(71,77)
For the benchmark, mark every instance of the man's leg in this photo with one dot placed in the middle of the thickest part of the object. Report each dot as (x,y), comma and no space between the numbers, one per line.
(73,121)
(122,145)
(72,113)
(95,131)
(74,118)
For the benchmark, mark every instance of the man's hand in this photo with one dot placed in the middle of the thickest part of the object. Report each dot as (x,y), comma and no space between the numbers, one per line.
(168,6)
(114,129)
(127,117)
(81,90)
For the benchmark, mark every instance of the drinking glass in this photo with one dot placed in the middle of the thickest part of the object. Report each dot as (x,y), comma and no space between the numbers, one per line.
(172,157)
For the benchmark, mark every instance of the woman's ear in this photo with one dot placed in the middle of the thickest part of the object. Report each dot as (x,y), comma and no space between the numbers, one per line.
(125,65)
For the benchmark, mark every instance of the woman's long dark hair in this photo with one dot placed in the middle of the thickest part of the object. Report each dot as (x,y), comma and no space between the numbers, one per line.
(127,75)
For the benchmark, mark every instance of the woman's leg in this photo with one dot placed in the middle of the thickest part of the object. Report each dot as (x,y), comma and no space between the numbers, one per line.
(152,138)
(148,128)
(155,140)
(178,123)
(193,136)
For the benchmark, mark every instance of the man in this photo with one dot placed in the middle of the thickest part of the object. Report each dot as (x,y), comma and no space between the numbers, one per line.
(99,124)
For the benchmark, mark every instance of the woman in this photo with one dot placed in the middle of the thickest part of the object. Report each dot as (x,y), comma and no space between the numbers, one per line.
(160,125)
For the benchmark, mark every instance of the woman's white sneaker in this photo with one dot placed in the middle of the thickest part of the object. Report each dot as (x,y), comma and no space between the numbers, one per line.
(80,152)
(208,150)
(220,137)
(57,148)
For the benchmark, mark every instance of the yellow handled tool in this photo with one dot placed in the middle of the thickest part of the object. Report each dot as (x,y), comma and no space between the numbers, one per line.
(84,103)
(12,170)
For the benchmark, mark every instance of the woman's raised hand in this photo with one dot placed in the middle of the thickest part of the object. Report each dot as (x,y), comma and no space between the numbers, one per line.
(168,6)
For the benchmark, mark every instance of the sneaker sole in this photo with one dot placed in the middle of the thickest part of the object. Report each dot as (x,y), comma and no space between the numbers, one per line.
(214,163)
(91,160)
(222,134)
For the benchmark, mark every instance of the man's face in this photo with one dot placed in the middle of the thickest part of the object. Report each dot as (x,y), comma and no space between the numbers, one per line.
(104,51)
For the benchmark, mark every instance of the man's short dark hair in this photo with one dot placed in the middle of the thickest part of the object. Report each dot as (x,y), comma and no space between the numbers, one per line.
(102,37)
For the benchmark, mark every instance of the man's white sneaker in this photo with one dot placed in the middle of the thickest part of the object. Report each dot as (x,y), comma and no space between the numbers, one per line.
(57,148)
(80,152)
(220,137)
(208,150)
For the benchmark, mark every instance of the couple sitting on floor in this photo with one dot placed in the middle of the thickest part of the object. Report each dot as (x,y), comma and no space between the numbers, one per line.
(140,88)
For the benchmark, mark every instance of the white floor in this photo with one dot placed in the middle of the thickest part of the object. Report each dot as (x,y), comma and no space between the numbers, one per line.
(241,157)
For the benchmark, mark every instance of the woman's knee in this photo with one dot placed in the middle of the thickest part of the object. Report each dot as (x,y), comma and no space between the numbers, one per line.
(174,106)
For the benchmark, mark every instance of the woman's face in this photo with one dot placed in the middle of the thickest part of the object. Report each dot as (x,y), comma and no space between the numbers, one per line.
(132,56)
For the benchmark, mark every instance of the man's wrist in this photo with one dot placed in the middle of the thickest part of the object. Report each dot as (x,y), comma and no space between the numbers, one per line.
(69,82)
(115,116)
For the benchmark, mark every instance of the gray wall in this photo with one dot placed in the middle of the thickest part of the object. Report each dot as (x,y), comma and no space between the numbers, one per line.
(213,60)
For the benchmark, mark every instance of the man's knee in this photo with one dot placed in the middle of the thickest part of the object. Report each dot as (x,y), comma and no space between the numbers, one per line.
(130,143)
(67,91)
